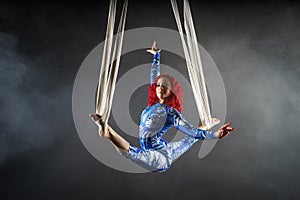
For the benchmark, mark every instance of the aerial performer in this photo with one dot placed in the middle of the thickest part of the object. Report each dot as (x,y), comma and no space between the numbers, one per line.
(165,103)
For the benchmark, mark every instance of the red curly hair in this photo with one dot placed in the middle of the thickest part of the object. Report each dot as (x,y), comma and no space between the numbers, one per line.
(175,100)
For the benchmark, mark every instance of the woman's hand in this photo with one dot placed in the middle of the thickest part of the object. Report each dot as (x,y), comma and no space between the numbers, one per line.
(153,49)
(224,131)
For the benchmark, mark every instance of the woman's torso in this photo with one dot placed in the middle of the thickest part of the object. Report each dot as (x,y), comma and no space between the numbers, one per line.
(155,121)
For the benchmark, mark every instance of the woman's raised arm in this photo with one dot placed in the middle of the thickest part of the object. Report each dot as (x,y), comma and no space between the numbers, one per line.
(155,68)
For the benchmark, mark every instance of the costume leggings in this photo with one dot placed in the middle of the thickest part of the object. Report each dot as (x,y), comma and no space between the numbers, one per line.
(160,159)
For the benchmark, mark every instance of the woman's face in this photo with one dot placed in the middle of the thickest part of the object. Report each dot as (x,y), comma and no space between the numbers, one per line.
(163,89)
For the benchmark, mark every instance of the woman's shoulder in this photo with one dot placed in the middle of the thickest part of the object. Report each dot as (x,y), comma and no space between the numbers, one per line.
(174,111)
(147,109)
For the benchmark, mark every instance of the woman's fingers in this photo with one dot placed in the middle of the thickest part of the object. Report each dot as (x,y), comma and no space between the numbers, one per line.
(226,129)
(154,45)
(224,133)
(230,128)
(226,125)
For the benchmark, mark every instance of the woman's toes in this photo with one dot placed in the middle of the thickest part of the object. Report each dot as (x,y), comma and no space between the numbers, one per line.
(95,117)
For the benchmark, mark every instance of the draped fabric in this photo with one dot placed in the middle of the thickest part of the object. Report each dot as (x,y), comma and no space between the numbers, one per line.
(193,61)
(195,70)
(110,61)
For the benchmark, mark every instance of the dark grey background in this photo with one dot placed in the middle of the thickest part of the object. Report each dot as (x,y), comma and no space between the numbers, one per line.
(256,47)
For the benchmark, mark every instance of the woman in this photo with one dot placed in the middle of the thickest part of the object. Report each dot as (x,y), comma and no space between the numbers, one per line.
(165,100)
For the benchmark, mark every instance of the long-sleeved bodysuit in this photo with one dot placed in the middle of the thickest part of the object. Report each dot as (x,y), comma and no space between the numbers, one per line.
(155,153)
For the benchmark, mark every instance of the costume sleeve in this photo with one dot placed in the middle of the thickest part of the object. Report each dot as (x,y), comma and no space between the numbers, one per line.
(155,68)
(184,126)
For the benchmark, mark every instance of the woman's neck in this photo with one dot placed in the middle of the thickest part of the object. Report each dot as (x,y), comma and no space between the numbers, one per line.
(161,101)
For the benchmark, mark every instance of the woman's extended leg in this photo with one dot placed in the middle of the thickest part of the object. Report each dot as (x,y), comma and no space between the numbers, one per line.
(151,160)
(180,147)
(119,142)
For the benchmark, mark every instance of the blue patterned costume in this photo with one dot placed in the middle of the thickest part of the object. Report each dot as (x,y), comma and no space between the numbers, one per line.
(155,153)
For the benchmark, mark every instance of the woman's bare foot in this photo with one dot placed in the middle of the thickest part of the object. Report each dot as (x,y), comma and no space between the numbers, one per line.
(214,122)
(103,129)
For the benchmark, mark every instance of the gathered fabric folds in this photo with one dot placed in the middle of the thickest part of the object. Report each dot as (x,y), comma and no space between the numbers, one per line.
(195,69)
(112,53)
(110,61)
(193,61)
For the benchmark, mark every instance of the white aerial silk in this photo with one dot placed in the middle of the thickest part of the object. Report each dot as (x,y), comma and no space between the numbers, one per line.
(195,70)
(110,61)
(193,61)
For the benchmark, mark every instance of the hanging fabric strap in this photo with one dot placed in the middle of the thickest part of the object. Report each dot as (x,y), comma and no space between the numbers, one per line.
(110,61)
(195,70)
(193,62)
